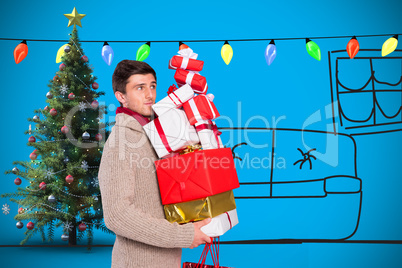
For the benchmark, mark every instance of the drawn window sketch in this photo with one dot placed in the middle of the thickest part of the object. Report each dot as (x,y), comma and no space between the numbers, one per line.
(366,91)
(294,184)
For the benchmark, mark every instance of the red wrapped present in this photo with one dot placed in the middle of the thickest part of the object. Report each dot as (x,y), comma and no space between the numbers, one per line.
(200,108)
(197,82)
(187,60)
(196,175)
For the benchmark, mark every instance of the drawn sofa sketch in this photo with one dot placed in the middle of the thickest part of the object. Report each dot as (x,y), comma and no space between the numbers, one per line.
(294,184)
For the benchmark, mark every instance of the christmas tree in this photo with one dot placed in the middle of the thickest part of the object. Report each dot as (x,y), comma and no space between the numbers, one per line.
(68,136)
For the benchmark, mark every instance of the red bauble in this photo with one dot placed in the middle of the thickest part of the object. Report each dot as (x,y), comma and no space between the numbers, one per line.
(55,78)
(33,156)
(82,227)
(47,108)
(71,96)
(353,47)
(98,137)
(84,58)
(62,66)
(65,129)
(21,210)
(17,181)
(30,225)
(95,85)
(31,139)
(69,179)
(53,112)
(95,104)
(42,185)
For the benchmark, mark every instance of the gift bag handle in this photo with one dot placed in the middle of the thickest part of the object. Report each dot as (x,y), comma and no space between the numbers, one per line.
(214,248)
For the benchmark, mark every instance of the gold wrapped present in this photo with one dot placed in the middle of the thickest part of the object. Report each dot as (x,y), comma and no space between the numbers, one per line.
(200,209)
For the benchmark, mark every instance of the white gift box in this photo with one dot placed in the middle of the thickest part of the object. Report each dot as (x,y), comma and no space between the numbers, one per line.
(171,132)
(221,224)
(173,100)
(207,133)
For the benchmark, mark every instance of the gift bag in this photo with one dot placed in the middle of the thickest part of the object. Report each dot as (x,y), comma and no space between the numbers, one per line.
(212,248)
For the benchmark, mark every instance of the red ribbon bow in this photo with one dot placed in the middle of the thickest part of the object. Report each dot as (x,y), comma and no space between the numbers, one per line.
(171,89)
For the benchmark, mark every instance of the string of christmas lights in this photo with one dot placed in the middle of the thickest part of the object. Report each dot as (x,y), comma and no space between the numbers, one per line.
(352,47)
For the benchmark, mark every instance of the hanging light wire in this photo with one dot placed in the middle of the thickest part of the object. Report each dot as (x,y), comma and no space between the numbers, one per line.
(206,40)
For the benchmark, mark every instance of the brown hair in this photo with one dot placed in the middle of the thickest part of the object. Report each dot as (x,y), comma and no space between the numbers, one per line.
(127,68)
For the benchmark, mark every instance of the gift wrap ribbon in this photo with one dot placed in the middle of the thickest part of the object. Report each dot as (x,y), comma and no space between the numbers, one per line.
(187,54)
(162,135)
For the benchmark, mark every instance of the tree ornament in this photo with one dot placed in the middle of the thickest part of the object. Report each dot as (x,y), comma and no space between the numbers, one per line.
(32,139)
(98,137)
(42,185)
(74,18)
(61,52)
(35,118)
(21,210)
(33,155)
(86,135)
(17,181)
(65,129)
(67,48)
(182,45)
(51,199)
(53,112)
(71,96)
(389,46)
(19,225)
(15,170)
(313,49)
(69,179)
(66,160)
(82,227)
(46,108)
(95,85)
(64,237)
(55,78)
(95,104)
(107,53)
(352,47)
(143,52)
(49,95)
(226,52)
(84,59)
(62,66)
(30,225)
(20,51)
(270,52)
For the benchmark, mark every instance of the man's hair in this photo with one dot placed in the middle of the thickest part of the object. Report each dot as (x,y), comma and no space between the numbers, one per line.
(127,68)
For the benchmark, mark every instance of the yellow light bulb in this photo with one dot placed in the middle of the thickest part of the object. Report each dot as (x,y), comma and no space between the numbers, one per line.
(60,53)
(227,53)
(389,46)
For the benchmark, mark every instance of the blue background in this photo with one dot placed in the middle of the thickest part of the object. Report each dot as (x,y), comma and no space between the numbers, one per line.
(293,88)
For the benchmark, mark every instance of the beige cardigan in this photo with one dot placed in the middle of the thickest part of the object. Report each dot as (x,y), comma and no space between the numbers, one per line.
(131,202)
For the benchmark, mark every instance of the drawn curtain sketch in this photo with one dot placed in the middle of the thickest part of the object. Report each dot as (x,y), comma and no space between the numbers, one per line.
(278,199)
(366,91)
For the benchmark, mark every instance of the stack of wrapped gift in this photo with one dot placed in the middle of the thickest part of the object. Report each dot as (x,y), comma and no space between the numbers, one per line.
(196,174)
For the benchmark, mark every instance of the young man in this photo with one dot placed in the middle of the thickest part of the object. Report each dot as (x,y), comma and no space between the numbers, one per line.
(129,188)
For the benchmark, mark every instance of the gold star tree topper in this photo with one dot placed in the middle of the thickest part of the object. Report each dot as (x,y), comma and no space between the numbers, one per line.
(74,18)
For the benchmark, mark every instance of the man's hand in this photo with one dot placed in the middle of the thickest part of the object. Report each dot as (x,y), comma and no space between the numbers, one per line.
(199,236)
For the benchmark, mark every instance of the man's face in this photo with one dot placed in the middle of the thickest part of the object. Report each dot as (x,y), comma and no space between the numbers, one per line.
(140,94)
